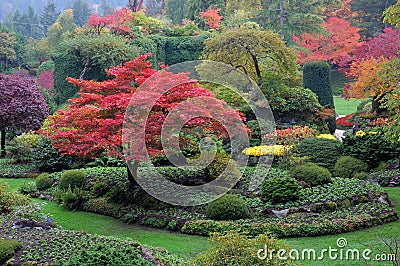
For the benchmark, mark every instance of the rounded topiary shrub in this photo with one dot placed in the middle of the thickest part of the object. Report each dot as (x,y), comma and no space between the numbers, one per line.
(72,178)
(347,166)
(227,207)
(323,152)
(280,190)
(312,174)
(43,181)
(8,249)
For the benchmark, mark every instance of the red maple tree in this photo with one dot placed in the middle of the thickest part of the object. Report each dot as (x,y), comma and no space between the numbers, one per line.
(117,21)
(386,44)
(212,17)
(342,39)
(93,123)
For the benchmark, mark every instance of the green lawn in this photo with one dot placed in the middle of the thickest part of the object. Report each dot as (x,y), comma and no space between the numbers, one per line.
(345,107)
(189,246)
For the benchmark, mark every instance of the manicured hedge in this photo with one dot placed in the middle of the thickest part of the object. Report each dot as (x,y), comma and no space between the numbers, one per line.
(317,77)
(173,50)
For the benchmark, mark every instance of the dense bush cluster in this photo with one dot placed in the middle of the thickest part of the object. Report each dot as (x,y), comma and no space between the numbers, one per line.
(75,178)
(227,207)
(370,147)
(347,166)
(8,249)
(280,190)
(311,174)
(323,152)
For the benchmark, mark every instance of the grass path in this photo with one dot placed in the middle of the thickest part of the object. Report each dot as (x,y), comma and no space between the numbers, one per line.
(345,107)
(188,246)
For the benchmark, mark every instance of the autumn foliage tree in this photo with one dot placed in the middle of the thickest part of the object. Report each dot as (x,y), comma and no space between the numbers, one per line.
(386,44)
(212,17)
(22,105)
(92,125)
(342,39)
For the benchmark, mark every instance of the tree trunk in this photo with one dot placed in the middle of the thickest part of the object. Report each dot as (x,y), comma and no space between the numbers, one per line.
(256,65)
(132,175)
(3,143)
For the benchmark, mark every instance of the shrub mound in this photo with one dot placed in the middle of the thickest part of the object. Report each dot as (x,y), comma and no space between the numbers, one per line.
(227,207)
(347,166)
(72,178)
(312,174)
(321,151)
(43,182)
(280,190)
(8,249)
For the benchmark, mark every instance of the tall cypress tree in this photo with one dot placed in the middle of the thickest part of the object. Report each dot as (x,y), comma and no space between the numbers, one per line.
(317,77)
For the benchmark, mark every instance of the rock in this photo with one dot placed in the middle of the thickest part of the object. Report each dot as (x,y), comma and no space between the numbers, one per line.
(281,213)
(382,200)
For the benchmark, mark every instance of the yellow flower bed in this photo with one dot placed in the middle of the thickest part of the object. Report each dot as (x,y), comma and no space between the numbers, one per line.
(276,150)
(360,133)
(326,136)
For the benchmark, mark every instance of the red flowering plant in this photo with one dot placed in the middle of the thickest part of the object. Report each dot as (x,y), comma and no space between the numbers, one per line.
(344,123)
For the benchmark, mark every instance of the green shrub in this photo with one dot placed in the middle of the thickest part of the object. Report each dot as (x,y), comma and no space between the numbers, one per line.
(102,254)
(43,181)
(227,207)
(370,148)
(45,66)
(238,249)
(312,174)
(317,77)
(173,50)
(48,159)
(28,188)
(347,166)
(323,152)
(280,190)
(73,199)
(23,146)
(9,199)
(8,249)
(72,178)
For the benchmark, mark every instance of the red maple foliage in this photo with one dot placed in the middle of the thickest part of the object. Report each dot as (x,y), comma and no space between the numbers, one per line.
(46,81)
(93,124)
(386,44)
(116,22)
(212,17)
(342,39)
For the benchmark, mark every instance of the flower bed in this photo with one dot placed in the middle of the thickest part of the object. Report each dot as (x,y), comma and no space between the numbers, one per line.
(355,218)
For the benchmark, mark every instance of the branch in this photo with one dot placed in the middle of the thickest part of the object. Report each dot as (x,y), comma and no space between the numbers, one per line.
(84,69)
